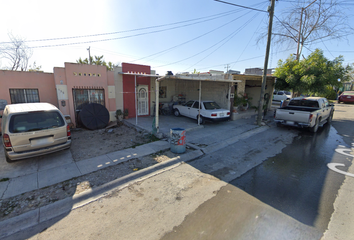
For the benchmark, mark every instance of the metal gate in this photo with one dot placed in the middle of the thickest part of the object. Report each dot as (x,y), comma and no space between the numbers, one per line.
(143,108)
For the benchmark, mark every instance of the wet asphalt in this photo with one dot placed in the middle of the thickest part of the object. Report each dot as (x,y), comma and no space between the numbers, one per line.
(288,196)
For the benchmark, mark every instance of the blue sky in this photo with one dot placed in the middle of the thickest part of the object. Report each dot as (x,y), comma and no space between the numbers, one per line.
(192,34)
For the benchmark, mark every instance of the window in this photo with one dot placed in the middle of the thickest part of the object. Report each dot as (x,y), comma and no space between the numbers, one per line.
(189,104)
(82,96)
(211,105)
(24,95)
(35,121)
(196,104)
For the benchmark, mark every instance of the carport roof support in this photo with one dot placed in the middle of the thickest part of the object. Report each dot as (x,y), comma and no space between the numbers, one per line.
(193,77)
(201,77)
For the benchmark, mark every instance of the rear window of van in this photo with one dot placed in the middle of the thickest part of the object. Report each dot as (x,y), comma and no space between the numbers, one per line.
(34,121)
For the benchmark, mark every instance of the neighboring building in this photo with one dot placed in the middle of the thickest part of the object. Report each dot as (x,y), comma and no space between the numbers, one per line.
(130,87)
(257,71)
(233,72)
(73,85)
(27,87)
(77,84)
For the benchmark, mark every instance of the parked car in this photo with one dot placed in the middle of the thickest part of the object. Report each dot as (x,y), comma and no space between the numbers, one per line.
(310,112)
(346,97)
(281,95)
(209,110)
(33,129)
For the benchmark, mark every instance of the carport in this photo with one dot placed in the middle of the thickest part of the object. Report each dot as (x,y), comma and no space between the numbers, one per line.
(196,78)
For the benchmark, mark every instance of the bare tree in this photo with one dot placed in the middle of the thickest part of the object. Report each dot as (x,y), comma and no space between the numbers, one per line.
(16,52)
(310,21)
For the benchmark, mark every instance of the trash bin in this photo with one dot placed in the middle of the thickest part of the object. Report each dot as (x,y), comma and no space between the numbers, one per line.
(178,140)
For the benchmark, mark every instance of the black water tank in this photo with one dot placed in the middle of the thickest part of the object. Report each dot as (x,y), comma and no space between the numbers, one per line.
(94,116)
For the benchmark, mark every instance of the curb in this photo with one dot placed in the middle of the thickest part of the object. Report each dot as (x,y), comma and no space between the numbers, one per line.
(64,206)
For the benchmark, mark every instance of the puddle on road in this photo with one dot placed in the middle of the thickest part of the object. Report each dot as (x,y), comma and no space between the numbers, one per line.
(298,181)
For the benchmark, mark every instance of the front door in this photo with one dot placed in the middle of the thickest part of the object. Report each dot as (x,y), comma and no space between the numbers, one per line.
(143,104)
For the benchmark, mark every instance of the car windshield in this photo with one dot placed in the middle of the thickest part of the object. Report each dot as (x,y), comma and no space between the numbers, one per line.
(34,121)
(287,93)
(211,105)
(304,103)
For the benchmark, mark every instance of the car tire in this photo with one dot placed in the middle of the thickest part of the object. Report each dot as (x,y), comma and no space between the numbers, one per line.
(330,118)
(201,120)
(315,127)
(176,113)
(8,159)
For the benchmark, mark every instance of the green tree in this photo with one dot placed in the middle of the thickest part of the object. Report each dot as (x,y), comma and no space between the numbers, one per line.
(314,74)
(97,60)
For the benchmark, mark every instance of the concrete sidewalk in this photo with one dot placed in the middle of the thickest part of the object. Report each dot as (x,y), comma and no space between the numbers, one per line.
(208,140)
(33,174)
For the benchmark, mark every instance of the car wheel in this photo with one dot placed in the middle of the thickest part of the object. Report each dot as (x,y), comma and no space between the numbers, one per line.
(330,118)
(176,113)
(201,120)
(315,127)
(8,159)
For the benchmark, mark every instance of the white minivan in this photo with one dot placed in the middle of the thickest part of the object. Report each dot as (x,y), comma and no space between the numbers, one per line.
(33,129)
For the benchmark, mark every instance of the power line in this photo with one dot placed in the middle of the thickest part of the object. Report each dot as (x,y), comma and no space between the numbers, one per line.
(212,17)
(201,51)
(237,5)
(230,36)
(217,28)
(166,50)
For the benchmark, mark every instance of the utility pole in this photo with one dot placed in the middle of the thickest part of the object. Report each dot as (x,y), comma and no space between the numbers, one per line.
(227,67)
(264,80)
(298,40)
(89,56)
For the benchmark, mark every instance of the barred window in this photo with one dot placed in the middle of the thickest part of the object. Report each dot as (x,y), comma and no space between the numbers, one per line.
(24,95)
(82,96)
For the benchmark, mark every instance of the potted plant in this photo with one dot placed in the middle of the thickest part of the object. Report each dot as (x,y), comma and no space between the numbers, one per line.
(126,113)
(119,115)
(241,102)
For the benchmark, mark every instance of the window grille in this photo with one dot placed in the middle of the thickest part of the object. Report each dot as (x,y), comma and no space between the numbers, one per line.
(24,96)
(82,96)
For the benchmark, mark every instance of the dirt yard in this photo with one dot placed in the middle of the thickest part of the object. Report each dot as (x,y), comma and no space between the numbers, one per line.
(87,144)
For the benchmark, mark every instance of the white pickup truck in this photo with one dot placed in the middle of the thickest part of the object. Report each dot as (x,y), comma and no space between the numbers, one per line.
(309,112)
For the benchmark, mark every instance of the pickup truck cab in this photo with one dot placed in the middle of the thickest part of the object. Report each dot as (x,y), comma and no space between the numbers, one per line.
(309,112)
